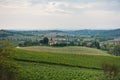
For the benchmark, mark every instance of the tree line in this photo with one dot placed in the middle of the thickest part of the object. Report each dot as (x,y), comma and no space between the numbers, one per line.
(45,41)
(113,49)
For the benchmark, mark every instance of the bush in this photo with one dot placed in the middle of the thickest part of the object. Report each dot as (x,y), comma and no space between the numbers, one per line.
(8,69)
(60,45)
(111,72)
(6,49)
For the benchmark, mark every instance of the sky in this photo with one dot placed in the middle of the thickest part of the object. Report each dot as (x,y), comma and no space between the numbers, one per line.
(59,14)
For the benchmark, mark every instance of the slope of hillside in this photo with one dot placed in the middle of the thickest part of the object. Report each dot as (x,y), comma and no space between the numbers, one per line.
(61,66)
(68,49)
(88,61)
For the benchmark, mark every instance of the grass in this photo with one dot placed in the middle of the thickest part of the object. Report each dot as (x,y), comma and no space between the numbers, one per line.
(69,49)
(89,61)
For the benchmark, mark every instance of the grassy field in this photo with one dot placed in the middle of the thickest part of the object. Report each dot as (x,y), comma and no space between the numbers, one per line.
(69,49)
(38,64)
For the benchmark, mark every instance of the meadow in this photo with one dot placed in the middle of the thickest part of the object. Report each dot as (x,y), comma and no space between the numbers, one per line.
(68,49)
(38,64)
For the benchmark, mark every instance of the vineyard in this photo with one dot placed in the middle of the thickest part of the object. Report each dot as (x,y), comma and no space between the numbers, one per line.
(34,71)
(40,65)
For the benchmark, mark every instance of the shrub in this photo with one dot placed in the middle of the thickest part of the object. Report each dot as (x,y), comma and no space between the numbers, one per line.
(111,72)
(6,49)
(8,69)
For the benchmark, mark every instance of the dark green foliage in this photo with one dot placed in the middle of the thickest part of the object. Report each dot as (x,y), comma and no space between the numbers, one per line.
(45,40)
(21,44)
(93,44)
(41,41)
(29,43)
(72,44)
(60,45)
(96,44)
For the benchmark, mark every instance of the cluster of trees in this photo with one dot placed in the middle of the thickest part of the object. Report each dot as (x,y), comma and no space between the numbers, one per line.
(93,44)
(35,43)
(60,44)
(113,49)
(45,41)
(29,43)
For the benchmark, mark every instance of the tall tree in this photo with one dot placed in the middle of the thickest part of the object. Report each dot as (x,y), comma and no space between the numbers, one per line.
(45,40)
(97,44)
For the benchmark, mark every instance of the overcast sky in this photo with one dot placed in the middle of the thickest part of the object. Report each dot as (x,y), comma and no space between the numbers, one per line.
(59,14)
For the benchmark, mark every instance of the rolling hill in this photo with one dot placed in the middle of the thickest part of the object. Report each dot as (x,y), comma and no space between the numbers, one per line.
(41,65)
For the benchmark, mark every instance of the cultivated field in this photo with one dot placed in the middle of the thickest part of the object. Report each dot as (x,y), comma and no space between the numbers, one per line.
(42,64)
(69,49)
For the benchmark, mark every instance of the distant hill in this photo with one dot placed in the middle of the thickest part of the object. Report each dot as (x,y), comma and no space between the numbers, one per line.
(111,33)
(88,32)
(5,33)
(115,33)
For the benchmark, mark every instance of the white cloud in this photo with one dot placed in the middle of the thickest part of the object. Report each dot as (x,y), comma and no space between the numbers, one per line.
(14,3)
(56,14)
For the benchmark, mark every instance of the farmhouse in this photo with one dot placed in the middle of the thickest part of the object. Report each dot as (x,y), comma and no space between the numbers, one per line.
(51,41)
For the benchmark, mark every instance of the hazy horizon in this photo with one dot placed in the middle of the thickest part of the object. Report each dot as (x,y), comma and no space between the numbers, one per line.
(55,29)
(59,14)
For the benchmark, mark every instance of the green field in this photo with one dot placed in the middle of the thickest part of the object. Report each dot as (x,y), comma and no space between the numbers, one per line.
(38,64)
(69,49)
(35,71)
